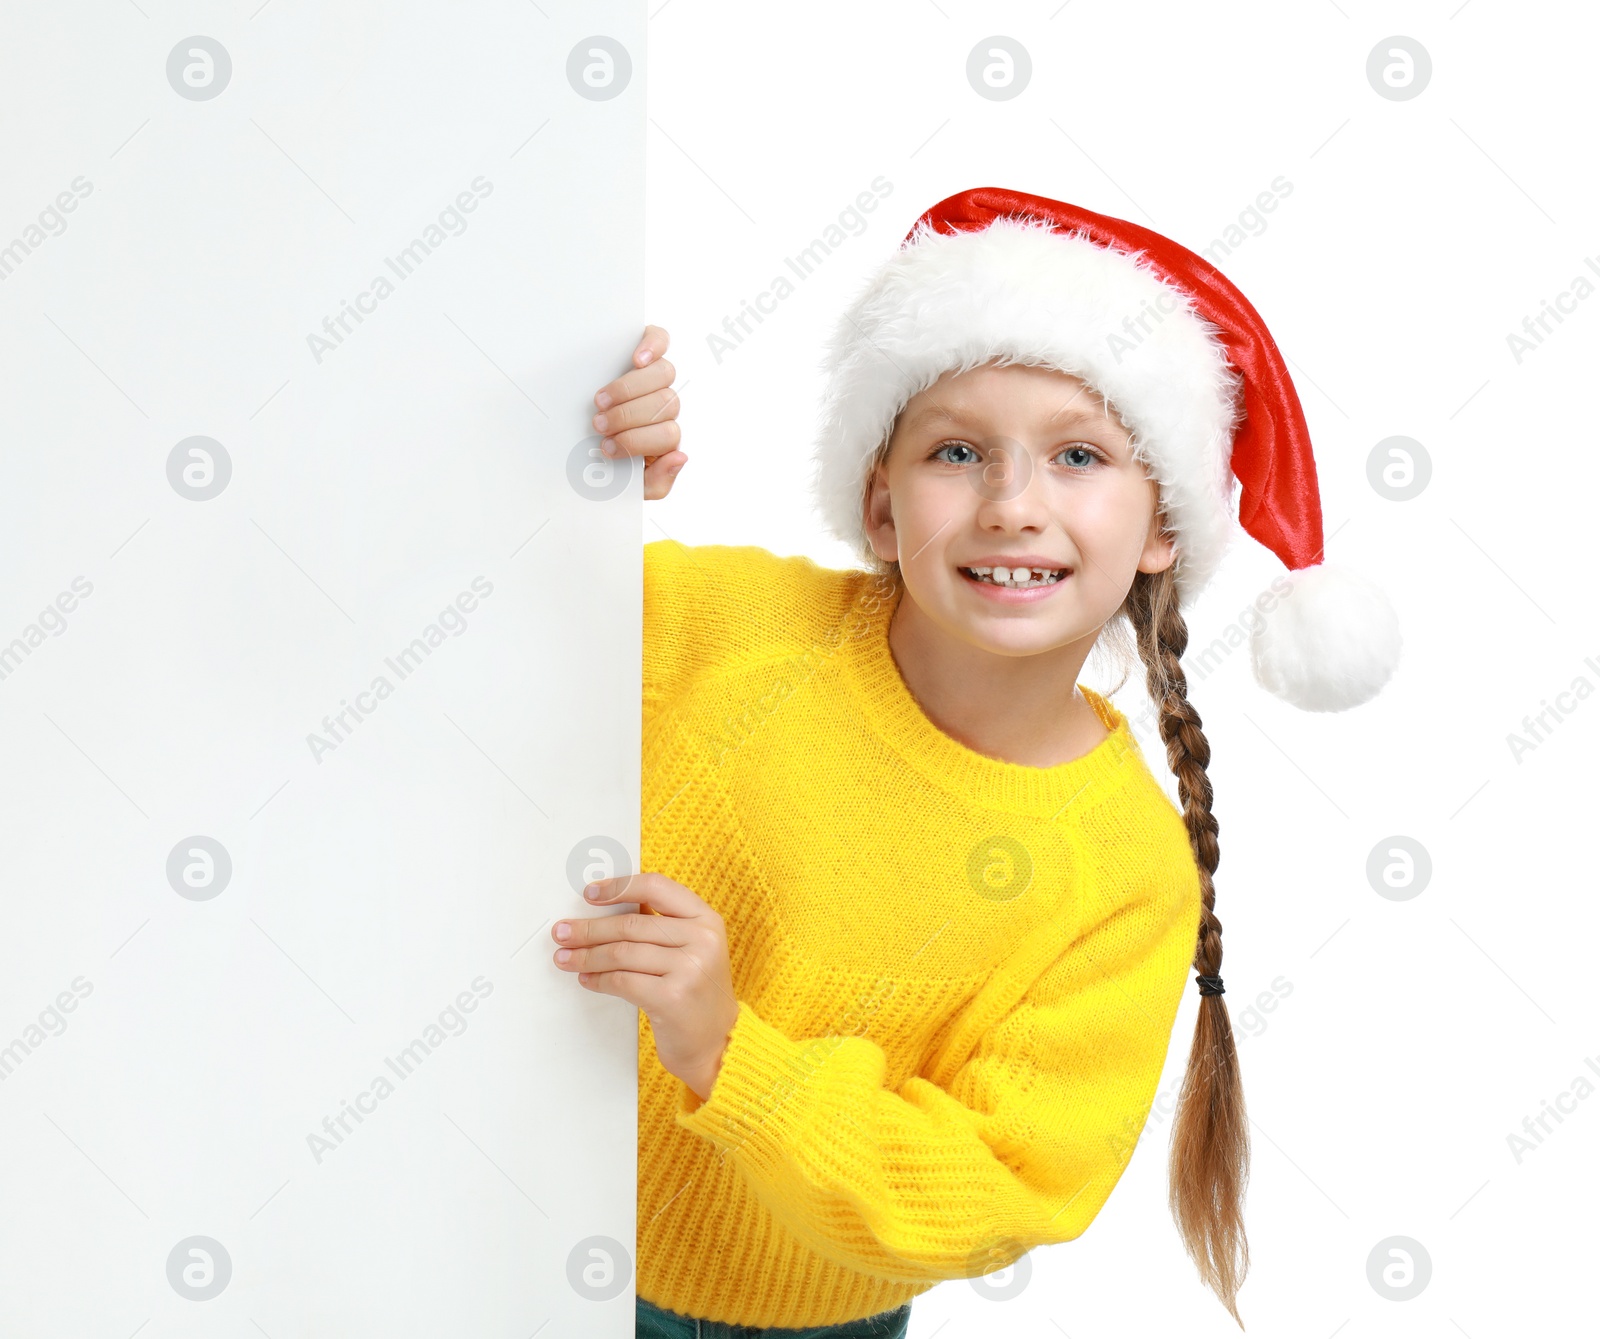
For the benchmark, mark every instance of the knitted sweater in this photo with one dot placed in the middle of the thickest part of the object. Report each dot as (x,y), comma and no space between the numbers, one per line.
(957,976)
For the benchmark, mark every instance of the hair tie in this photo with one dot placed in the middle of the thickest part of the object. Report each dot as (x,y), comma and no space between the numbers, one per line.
(1210,985)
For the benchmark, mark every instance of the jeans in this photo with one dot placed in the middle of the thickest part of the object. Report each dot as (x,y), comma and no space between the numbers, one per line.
(651,1322)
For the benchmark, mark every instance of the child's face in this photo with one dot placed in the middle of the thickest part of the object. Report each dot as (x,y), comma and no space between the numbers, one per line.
(1021,463)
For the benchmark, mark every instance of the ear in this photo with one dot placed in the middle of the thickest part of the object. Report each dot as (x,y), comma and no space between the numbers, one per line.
(877,516)
(1160,548)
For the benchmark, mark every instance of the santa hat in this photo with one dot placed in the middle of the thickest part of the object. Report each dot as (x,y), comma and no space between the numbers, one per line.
(1179,354)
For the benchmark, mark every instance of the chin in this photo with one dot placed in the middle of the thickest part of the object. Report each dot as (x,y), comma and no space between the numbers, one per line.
(1015,637)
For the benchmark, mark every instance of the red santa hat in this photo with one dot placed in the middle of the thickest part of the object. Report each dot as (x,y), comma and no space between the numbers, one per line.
(1179,354)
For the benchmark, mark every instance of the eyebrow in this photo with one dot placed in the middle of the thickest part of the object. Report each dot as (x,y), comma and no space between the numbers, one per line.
(1067,414)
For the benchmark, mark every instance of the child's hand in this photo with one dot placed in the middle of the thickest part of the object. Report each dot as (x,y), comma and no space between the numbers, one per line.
(639,412)
(673,965)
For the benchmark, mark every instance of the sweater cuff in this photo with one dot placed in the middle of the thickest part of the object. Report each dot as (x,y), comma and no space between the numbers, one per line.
(762,1087)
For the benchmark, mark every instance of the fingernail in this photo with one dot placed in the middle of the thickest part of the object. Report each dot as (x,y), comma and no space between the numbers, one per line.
(563,930)
(603,400)
(609,446)
(592,892)
(563,955)
(599,422)
(645,357)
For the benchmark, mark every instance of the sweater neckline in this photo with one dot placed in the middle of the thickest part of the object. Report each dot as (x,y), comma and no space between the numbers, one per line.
(895,716)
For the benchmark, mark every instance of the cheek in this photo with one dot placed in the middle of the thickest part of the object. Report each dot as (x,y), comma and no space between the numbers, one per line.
(925,504)
(1114,518)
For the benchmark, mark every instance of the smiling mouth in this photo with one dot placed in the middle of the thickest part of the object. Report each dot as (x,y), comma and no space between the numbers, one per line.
(1016,578)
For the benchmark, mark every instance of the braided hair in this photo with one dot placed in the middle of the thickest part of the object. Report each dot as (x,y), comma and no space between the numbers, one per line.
(1209,1159)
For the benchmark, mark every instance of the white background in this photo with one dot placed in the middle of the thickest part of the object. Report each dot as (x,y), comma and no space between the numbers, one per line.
(1416,1035)
(387,883)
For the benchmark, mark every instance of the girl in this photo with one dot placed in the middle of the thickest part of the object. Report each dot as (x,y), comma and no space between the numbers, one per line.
(918,916)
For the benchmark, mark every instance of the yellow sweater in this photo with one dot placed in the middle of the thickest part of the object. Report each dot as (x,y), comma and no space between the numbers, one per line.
(957,977)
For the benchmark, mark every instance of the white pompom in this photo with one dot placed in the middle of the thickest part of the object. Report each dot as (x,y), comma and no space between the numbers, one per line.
(1331,643)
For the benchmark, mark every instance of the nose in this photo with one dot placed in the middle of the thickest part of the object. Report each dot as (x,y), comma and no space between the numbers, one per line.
(1011,498)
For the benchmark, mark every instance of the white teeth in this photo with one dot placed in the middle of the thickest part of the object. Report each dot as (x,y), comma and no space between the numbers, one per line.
(1018,578)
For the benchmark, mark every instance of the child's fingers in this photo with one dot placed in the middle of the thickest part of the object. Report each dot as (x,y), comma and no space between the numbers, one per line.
(657,407)
(632,927)
(640,989)
(651,346)
(650,441)
(631,385)
(663,895)
(661,473)
(627,956)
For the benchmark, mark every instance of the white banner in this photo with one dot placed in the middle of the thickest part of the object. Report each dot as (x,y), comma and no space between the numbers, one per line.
(319,657)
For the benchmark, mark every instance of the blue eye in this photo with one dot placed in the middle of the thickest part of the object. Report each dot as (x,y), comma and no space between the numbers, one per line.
(1087,457)
(938,452)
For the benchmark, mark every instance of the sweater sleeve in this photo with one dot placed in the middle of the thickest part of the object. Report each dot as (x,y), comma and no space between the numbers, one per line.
(1020,1148)
(702,604)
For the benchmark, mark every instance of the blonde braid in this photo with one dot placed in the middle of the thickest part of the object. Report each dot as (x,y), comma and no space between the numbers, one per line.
(1210,1154)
